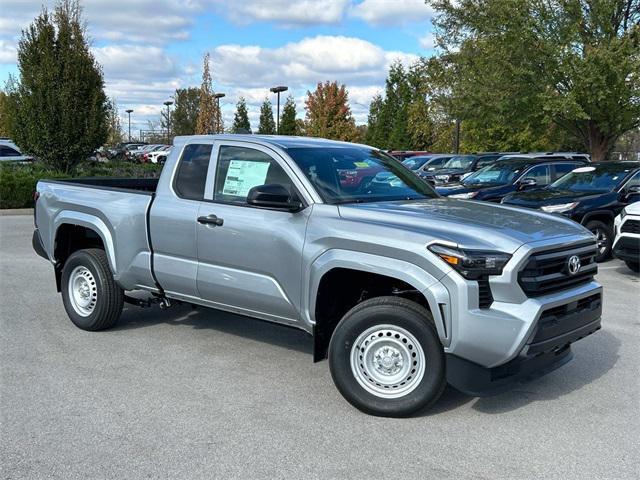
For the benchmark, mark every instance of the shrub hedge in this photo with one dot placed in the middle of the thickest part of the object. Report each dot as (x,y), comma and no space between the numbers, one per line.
(18,180)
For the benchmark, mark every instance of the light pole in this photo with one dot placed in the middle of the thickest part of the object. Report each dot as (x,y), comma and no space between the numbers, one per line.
(218,96)
(168,103)
(277,90)
(129,112)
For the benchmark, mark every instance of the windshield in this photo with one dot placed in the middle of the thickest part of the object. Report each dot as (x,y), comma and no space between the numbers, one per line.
(462,162)
(414,163)
(358,174)
(601,178)
(501,173)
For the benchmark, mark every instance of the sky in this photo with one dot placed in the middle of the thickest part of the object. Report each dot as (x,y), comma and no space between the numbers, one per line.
(148,48)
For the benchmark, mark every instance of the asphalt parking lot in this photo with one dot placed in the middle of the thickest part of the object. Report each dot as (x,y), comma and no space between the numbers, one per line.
(202,394)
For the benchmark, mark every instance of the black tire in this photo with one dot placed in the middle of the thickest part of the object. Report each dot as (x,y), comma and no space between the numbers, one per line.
(633,266)
(394,312)
(599,228)
(109,297)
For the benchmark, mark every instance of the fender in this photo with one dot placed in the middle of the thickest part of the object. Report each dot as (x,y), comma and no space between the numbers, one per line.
(436,294)
(597,213)
(89,221)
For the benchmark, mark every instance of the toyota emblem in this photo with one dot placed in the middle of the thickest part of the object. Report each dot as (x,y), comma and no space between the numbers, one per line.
(573,264)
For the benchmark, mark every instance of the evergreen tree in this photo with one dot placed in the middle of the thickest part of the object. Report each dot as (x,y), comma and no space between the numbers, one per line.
(241,119)
(375,135)
(59,105)
(184,116)
(114,127)
(267,123)
(288,119)
(209,119)
(329,114)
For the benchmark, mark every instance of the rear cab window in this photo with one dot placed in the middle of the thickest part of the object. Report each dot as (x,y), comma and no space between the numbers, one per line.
(191,176)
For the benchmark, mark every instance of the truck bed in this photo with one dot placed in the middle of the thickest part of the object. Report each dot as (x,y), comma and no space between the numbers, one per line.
(133,185)
(116,209)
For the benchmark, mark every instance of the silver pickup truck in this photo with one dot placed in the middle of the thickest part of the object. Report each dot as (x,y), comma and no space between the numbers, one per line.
(403,290)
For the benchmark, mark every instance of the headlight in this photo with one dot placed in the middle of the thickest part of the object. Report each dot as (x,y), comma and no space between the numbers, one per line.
(471,264)
(623,213)
(464,195)
(560,208)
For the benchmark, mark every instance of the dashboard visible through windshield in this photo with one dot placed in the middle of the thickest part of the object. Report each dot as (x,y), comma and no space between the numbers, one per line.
(358,174)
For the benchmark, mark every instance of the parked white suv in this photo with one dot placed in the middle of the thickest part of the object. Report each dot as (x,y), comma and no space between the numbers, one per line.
(9,152)
(626,245)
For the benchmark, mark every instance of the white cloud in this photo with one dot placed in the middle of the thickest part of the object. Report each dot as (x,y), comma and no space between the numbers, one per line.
(285,12)
(345,59)
(135,62)
(428,41)
(387,12)
(8,53)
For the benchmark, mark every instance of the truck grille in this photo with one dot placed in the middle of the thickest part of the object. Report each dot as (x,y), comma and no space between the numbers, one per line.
(630,226)
(548,271)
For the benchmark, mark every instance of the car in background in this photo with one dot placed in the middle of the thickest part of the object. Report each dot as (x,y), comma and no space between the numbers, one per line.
(138,155)
(132,148)
(426,163)
(354,173)
(9,152)
(591,195)
(459,167)
(626,245)
(157,156)
(404,154)
(503,177)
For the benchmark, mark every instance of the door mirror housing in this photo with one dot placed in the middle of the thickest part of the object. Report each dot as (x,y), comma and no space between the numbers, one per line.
(632,190)
(273,196)
(527,183)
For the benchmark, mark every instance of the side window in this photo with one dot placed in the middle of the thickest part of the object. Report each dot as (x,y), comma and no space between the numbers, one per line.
(540,174)
(483,162)
(240,169)
(192,171)
(561,169)
(8,152)
(634,182)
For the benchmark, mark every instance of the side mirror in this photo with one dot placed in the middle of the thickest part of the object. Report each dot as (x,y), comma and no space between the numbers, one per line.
(273,196)
(527,183)
(632,190)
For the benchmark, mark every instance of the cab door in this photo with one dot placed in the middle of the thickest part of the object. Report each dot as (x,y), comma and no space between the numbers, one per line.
(249,258)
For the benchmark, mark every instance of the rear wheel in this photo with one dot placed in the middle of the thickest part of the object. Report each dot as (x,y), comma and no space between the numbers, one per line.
(90,295)
(604,239)
(386,358)
(633,266)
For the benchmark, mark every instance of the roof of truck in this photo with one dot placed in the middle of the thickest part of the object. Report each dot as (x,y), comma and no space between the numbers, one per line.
(282,141)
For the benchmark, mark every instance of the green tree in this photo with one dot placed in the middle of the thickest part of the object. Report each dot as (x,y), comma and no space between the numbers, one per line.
(544,70)
(288,118)
(5,119)
(329,114)
(184,115)
(267,123)
(376,136)
(241,118)
(60,108)
(114,127)
(209,119)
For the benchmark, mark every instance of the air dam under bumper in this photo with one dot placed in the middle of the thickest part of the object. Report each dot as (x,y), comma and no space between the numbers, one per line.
(549,348)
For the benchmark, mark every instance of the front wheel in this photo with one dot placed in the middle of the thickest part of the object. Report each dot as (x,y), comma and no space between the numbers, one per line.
(604,239)
(90,295)
(386,358)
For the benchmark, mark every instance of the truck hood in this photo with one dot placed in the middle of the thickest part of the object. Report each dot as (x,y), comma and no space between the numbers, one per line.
(473,225)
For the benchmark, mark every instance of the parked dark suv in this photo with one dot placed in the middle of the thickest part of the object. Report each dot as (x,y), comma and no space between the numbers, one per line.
(513,174)
(421,164)
(592,195)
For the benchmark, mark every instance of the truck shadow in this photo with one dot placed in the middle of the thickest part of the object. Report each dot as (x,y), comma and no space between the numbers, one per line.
(589,363)
(207,319)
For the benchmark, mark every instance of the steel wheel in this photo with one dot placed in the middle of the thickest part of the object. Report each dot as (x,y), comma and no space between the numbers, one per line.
(83,291)
(387,361)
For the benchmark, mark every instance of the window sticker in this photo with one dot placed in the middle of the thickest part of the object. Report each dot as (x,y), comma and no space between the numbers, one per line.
(243,175)
(361,164)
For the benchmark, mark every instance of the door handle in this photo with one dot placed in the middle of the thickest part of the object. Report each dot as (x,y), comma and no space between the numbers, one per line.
(211,220)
